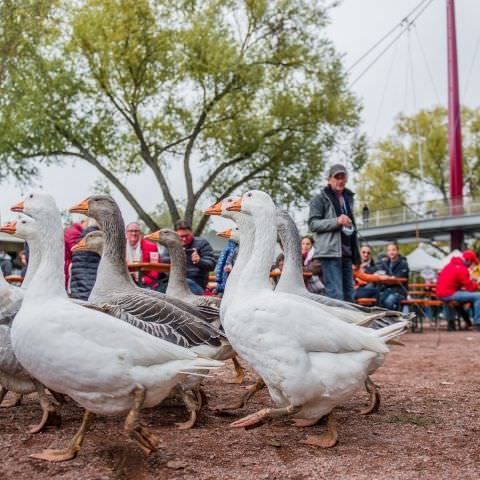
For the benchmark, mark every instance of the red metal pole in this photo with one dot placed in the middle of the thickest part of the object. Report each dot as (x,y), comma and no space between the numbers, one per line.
(454,127)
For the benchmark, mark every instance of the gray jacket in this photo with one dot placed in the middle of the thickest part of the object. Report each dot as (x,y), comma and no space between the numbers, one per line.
(322,221)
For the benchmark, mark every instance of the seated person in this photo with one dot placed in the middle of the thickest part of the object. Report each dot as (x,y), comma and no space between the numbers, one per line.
(141,250)
(392,265)
(200,259)
(365,288)
(313,283)
(454,283)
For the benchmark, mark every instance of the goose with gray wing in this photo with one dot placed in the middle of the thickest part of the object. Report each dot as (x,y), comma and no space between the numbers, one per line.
(115,287)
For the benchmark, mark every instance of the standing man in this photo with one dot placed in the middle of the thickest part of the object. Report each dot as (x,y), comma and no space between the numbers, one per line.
(200,259)
(331,220)
(141,250)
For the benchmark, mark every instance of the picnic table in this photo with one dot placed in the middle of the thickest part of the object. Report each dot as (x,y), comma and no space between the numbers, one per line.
(148,266)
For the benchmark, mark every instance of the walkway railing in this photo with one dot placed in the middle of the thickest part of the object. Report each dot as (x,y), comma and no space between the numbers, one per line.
(415,212)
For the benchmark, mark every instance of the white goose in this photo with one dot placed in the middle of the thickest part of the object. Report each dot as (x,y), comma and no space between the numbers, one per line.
(13,376)
(309,367)
(245,230)
(108,367)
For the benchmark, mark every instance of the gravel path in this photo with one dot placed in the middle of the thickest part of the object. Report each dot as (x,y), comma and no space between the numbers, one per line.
(428,427)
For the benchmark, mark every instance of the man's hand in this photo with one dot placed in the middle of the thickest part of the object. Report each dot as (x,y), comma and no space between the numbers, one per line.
(344,220)
(227,269)
(195,256)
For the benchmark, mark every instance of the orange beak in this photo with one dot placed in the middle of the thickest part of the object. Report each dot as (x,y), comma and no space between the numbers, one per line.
(236,206)
(81,207)
(225,233)
(214,209)
(80,246)
(153,237)
(18,207)
(10,228)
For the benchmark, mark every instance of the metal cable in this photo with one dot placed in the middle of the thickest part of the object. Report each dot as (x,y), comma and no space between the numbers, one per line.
(408,25)
(378,42)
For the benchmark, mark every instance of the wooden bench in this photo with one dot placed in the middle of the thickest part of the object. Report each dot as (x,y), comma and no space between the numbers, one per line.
(366,302)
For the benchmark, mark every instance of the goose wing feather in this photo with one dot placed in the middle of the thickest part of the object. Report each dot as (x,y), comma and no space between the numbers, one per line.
(178,303)
(302,323)
(148,309)
(159,330)
(8,361)
(10,301)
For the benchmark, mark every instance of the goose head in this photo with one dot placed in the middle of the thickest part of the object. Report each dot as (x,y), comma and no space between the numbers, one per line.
(221,208)
(230,234)
(99,207)
(26,228)
(37,205)
(253,202)
(164,236)
(91,242)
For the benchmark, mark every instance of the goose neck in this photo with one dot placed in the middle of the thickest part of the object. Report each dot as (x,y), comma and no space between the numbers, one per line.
(49,279)
(255,276)
(245,246)
(292,273)
(177,281)
(113,266)
(33,262)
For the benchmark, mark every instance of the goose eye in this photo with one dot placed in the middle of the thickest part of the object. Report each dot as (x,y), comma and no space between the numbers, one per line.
(30,196)
(23,221)
(249,194)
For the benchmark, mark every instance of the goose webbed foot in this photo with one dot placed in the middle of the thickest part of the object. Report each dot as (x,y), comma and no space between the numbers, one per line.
(244,398)
(144,437)
(194,400)
(258,418)
(374,397)
(14,402)
(239,370)
(328,439)
(50,416)
(73,448)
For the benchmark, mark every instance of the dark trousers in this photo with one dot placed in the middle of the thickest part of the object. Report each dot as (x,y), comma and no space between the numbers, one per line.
(390,299)
(338,278)
(367,291)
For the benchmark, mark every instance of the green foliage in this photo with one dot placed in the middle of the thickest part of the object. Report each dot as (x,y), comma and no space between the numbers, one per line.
(237,93)
(394,174)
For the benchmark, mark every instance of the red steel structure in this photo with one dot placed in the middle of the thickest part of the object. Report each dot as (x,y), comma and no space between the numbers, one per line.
(454,127)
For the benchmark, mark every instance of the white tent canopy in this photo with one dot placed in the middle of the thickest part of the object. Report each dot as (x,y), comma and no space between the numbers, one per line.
(446,259)
(420,260)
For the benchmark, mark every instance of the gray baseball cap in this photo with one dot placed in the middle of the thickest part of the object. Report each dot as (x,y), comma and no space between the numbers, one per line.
(336,169)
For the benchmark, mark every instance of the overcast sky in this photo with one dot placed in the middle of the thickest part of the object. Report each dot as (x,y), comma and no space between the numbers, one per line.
(384,91)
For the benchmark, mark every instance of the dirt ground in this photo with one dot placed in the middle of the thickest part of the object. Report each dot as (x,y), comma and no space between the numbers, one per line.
(428,427)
